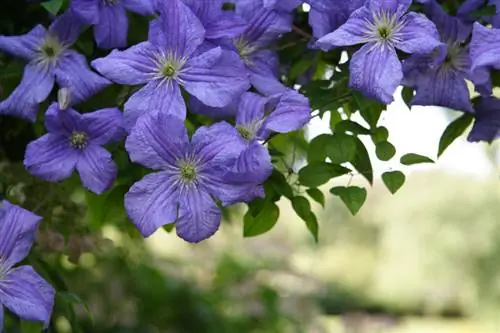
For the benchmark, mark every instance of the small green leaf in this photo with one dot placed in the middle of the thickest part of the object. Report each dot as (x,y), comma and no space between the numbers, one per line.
(369,109)
(380,134)
(385,151)
(407,94)
(353,197)
(410,159)
(335,118)
(453,131)
(351,126)
(280,184)
(318,173)
(342,148)
(261,223)
(303,209)
(393,180)
(317,196)
(53,6)
(362,161)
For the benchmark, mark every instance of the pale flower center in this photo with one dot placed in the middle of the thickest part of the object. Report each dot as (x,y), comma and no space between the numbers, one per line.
(188,172)
(79,140)
(384,27)
(245,50)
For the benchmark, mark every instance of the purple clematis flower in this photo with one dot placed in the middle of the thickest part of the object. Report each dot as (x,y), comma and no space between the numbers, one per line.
(192,173)
(383,27)
(49,60)
(484,48)
(22,290)
(74,142)
(487,120)
(171,59)
(109,18)
(326,16)
(440,78)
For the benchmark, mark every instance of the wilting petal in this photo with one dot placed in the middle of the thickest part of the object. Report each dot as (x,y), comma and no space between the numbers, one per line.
(73,73)
(26,294)
(419,35)
(143,7)
(66,27)
(50,158)
(111,30)
(445,88)
(61,122)
(24,46)
(177,30)
(17,233)
(487,123)
(376,72)
(219,144)
(35,87)
(103,125)
(86,10)
(292,113)
(156,96)
(484,47)
(96,168)
(153,202)
(199,217)
(215,77)
(217,113)
(251,109)
(158,141)
(136,65)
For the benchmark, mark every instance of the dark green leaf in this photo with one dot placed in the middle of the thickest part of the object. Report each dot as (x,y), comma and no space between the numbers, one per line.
(300,67)
(280,184)
(317,148)
(261,223)
(351,126)
(369,109)
(31,327)
(410,159)
(453,131)
(303,209)
(393,180)
(407,94)
(385,151)
(353,197)
(317,196)
(335,118)
(53,6)
(362,161)
(318,173)
(380,134)
(342,148)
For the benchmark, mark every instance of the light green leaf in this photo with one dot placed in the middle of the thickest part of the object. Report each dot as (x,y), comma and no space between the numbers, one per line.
(262,222)
(393,180)
(53,6)
(410,159)
(353,197)
(317,196)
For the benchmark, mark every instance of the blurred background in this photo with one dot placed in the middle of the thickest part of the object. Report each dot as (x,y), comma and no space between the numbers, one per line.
(425,260)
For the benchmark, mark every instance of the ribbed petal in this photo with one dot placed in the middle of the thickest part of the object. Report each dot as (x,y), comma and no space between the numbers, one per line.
(206,10)
(291,113)
(487,124)
(62,122)
(199,217)
(17,233)
(133,66)
(156,96)
(66,27)
(265,26)
(26,294)
(177,30)
(50,157)
(24,46)
(158,141)
(103,125)
(394,6)
(251,109)
(142,7)
(226,25)
(376,72)
(484,47)
(217,113)
(153,202)
(35,87)
(111,30)
(419,35)
(86,10)
(445,88)
(215,77)
(73,73)
(96,168)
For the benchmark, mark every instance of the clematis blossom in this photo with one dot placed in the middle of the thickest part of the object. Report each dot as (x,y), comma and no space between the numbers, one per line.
(486,120)
(50,60)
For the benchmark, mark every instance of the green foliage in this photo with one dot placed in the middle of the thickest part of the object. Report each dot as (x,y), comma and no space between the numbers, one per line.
(353,197)
(453,131)
(393,180)
(318,173)
(261,217)
(410,159)
(303,209)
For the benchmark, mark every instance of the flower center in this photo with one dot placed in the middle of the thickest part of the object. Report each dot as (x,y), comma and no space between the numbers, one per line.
(51,48)
(457,57)
(384,32)
(169,69)
(384,27)
(188,172)
(245,132)
(245,50)
(79,140)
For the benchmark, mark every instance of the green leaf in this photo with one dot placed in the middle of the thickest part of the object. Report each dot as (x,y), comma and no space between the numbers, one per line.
(351,126)
(317,148)
(265,220)
(380,134)
(303,209)
(410,159)
(385,151)
(353,197)
(407,94)
(393,180)
(70,299)
(106,208)
(369,109)
(362,161)
(31,327)
(335,118)
(280,184)
(342,148)
(317,196)
(53,6)
(318,173)
(300,67)
(453,131)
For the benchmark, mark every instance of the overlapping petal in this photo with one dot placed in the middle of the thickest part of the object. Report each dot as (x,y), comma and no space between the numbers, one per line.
(111,30)
(103,125)
(96,168)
